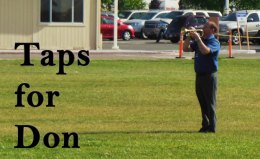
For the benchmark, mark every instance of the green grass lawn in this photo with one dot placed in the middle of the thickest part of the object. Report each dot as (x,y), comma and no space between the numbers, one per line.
(133,109)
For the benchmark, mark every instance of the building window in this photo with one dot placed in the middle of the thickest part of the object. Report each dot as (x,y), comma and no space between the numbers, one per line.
(66,11)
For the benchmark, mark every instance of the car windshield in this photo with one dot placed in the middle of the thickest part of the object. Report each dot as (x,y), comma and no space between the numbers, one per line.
(163,15)
(124,14)
(137,15)
(230,17)
(147,16)
(105,20)
(174,14)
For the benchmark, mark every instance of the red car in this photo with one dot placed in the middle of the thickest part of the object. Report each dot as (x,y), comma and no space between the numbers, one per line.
(125,32)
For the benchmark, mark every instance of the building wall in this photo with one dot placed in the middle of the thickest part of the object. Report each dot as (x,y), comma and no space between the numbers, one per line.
(15,22)
(20,22)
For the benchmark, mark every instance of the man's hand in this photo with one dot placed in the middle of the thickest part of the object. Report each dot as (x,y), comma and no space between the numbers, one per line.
(194,35)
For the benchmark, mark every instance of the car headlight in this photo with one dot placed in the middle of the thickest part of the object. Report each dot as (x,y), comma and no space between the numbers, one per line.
(135,24)
(130,27)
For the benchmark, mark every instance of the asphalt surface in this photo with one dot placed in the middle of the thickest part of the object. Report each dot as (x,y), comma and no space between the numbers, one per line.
(149,45)
(141,49)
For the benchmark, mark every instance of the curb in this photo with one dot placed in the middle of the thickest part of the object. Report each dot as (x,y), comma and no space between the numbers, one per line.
(129,51)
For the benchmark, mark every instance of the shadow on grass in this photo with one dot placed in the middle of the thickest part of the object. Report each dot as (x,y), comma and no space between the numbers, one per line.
(138,132)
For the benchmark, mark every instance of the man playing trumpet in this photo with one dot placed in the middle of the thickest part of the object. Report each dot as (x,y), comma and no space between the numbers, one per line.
(206,50)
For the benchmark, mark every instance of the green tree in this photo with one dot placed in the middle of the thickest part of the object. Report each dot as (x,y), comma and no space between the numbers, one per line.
(123,4)
(202,4)
(107,5)
(218,4)
(242,4)
(155,4)
(131,4)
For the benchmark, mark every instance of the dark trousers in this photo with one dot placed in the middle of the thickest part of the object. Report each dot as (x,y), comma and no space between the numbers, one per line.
(206,90)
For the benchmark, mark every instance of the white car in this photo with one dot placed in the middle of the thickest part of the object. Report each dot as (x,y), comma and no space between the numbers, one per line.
(229,23)
(130,14)
(138,23)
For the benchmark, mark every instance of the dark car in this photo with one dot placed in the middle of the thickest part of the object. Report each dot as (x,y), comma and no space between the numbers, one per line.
(257,39)
(155,28)
(125,32)
(174,28)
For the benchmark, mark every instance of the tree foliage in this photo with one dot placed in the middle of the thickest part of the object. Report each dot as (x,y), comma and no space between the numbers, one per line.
(242,4)
(131,4)
(123,4)
(218,4)
(202,4)
(184,4)
(107,5)
(155,4)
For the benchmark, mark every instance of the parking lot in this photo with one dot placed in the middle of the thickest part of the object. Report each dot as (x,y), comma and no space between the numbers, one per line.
(164,45)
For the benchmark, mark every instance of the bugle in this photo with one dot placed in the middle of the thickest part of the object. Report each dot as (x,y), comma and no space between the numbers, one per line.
(186,32)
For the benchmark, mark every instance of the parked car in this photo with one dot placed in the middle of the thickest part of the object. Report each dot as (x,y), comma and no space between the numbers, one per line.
(130,14)
(229,23)
(138,24)
(154,29)
(157,27)
(208,13)
(110,14)
(174,28)
(257,40)
(125,32)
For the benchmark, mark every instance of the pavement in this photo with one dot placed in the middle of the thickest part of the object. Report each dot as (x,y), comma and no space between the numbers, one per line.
(129,54)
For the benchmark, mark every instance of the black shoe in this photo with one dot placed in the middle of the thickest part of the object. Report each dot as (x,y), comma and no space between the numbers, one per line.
(211,131)
(203,130)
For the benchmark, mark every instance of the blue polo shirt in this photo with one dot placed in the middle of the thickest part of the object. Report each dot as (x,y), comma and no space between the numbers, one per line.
(206,63)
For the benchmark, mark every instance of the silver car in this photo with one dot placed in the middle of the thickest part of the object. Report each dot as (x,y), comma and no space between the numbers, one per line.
(138,23)
(229,24)
(130,14)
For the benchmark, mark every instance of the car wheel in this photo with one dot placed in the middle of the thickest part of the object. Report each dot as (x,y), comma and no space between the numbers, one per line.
(143,35)
(235,37)
(175,40)
(160,36)
(257,40)
(126,35)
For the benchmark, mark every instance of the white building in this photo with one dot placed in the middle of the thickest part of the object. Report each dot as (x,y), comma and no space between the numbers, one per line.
(55,24)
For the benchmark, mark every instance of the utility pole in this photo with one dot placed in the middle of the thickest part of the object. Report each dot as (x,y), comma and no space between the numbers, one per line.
(115,47)
(226,8)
